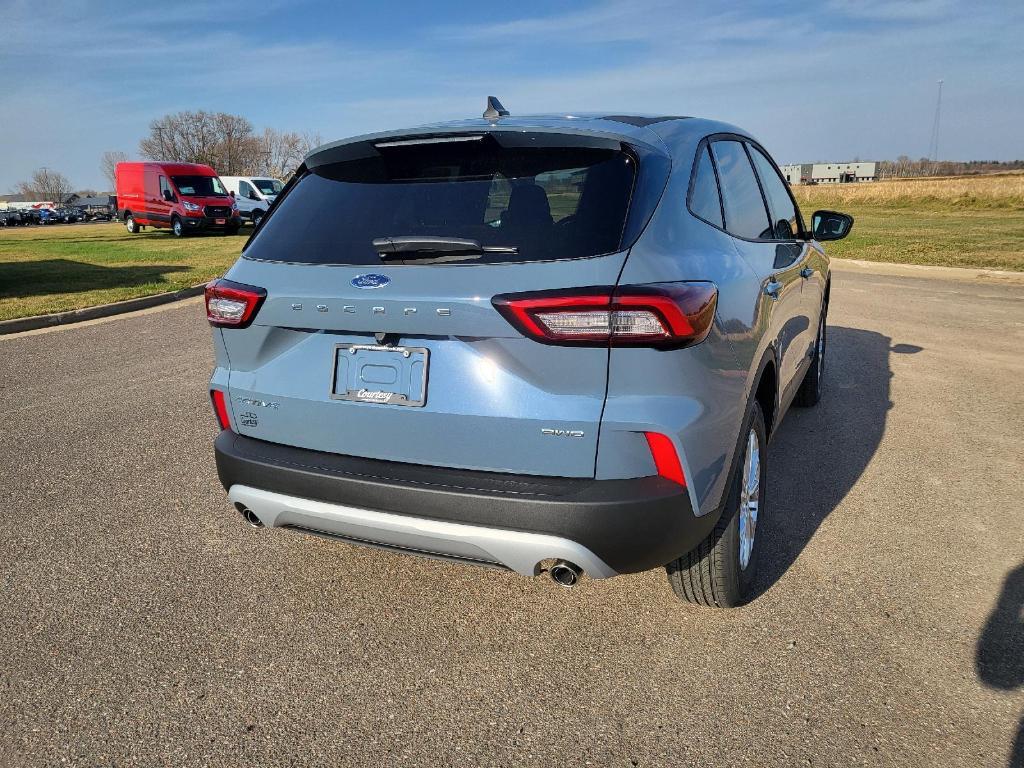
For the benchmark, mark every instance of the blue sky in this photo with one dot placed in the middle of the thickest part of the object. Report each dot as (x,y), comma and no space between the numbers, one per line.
(833,80)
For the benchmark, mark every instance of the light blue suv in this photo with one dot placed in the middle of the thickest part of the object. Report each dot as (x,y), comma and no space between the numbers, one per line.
(551,344)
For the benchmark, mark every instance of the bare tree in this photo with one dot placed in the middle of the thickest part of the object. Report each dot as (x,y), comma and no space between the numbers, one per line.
(285,151)
(226,143)
(238,151)
(108,163)
(217,139)
(46,185)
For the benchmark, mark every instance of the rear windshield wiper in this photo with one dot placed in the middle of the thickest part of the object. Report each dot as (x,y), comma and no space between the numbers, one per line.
(434,249)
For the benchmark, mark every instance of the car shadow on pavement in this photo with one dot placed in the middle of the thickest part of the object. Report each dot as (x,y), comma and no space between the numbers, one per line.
(999,659)
(819,453)
(19,279)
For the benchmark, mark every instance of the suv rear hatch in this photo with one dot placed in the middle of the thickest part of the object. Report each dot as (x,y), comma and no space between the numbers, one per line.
(378,337)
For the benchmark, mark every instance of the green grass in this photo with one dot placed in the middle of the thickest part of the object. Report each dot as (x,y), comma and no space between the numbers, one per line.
(914,235)
(62,267)
(959,221)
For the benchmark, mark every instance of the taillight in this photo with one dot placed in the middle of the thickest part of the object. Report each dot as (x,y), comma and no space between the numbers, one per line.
(661,315)
(665,457)
(232,305)
(220,408)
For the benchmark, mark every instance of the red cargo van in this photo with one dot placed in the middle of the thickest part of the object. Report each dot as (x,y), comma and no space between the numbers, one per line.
(183,197)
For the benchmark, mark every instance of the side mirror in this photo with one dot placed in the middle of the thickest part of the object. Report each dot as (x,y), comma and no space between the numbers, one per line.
(232,193)
(253,196)
(830,225)
(168,196)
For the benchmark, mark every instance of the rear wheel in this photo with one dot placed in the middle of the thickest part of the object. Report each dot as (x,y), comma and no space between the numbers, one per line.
(130,225)
(811,387)
(721,571)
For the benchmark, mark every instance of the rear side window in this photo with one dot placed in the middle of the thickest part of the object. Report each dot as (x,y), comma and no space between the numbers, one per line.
(704,200)
(745,214)
(785,219)
(529,204)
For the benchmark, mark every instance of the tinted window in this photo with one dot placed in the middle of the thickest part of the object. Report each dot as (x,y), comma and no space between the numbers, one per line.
(786,223)
(704,200)
(745,215)
(547,204)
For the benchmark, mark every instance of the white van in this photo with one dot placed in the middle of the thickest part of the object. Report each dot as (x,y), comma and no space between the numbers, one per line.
(253,194)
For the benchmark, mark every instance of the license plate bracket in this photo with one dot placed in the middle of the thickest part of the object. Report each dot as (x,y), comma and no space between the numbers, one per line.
(373,373)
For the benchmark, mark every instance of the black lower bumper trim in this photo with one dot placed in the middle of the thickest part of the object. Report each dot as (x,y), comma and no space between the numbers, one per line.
(633,525)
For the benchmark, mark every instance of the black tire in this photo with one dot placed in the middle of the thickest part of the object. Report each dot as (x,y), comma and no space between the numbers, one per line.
(812,386)
(177,227)
(257,217)
(130,225)
(712,574)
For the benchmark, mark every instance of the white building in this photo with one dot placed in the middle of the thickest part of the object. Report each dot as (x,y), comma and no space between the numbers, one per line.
(830,173)
(800,173)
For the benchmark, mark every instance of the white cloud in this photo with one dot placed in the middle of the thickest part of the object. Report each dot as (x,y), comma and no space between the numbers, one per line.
(849,78)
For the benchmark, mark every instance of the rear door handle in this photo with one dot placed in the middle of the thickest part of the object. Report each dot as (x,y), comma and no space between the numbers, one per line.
(772,288)
(806,272)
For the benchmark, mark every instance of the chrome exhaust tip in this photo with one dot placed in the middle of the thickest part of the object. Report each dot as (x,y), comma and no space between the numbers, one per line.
(249,516)
(564,574)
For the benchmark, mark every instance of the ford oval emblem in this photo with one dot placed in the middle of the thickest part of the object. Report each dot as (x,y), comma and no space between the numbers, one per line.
(370,281)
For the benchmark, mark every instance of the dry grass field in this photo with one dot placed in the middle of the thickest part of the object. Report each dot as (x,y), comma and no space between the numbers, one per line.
(975,221)
(997,191)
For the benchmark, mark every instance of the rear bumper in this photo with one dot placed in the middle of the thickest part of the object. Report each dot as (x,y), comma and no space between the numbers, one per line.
(604,526)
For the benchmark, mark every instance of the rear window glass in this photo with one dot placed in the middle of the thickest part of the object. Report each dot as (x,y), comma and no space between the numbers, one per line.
(527,204)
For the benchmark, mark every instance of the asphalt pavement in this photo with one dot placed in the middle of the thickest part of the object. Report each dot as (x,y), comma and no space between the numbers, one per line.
(143,623)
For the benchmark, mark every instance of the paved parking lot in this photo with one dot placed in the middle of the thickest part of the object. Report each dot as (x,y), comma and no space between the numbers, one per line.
(142,623)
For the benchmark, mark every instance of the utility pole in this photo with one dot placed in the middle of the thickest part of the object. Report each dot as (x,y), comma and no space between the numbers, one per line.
(933,145)
(160,138)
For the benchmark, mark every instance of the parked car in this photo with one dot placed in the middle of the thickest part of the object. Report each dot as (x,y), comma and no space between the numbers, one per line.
(182,197)
(548,344)
(253,194)
(9,217)
(31,216)
(100,215)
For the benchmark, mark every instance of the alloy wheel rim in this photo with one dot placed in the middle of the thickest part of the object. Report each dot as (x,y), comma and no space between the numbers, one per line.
(177,227)
(750,497)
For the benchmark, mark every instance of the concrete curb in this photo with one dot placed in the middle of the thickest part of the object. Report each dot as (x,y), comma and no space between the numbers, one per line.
(974,274)
(91,313)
